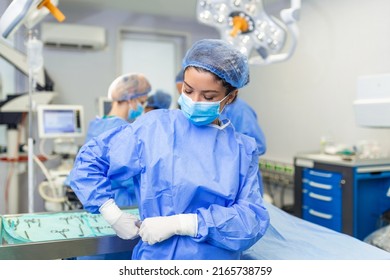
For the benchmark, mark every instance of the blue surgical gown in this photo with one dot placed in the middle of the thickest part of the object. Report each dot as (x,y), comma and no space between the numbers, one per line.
(123,191)
(244,120)
(180,168)
(99,125)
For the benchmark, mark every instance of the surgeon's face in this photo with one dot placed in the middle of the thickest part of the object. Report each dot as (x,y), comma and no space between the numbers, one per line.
(202,86)
(133,103)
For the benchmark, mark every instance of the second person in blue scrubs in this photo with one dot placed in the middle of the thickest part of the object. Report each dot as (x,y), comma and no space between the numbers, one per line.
(128,92)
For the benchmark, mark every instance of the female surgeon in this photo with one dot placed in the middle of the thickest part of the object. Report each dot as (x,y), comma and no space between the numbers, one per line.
(195,177)
(242,116)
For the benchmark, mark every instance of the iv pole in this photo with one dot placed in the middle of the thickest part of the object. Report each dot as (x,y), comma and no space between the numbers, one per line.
(35,63)
(30,145)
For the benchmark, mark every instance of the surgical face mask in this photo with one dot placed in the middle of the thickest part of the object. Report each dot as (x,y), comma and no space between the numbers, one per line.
(133,114)
(199,113)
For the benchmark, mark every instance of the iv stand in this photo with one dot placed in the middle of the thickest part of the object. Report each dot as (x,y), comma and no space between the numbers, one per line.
(34,57)
(30,145)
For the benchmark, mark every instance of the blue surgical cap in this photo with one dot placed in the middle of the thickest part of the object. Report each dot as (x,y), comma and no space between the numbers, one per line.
(129,86)
(159,100)
(221,58)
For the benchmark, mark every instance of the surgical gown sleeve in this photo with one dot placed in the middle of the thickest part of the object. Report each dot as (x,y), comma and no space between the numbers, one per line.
(94,168)
(238,226)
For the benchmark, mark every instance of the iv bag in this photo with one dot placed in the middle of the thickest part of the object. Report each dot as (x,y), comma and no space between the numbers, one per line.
(34,54)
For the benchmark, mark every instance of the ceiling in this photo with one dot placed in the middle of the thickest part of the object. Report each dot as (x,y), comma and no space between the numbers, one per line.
(177,8)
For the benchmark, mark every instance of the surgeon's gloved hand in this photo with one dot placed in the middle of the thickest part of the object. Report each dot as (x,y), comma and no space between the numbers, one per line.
(124,224)
(157,229)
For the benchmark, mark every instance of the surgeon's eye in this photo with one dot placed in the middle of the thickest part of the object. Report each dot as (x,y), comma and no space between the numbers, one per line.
(208,98)
(187,91)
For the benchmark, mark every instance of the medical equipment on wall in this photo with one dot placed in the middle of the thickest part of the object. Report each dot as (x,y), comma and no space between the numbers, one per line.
(372,104)
(13,114)
(246,25)
(372,110)
(28,13)
(278,180)
(61,123)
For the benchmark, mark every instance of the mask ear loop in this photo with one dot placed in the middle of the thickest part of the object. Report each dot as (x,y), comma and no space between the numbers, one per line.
(227,103)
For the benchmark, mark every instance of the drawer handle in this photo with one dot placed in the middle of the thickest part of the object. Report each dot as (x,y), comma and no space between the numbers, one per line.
(320,174)
(320,197)
(320,186)
(319,214)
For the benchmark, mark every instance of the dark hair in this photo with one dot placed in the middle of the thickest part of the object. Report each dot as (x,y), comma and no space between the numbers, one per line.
(228,87)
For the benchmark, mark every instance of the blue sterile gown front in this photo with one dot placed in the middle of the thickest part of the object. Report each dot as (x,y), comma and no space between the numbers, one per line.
(179,168)
(123,191)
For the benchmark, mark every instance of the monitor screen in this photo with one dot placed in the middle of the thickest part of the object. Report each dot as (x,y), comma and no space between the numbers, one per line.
(104,106)
(60,121)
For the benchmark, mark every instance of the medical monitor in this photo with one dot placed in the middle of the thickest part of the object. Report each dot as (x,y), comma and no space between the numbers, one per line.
(60,121)
(104,106)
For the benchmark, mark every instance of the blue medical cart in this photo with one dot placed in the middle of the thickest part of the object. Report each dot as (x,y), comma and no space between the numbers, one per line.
(349,196)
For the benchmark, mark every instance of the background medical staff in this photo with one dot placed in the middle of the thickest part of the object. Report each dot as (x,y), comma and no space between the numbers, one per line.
(195,176)
(159,100)
(128,92)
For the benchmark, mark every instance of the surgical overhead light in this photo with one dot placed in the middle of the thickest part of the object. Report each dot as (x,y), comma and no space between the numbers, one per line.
(246,25)
(27,12)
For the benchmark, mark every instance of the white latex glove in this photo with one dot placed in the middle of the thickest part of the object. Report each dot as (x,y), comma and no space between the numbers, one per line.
(157,229)
(124,224)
